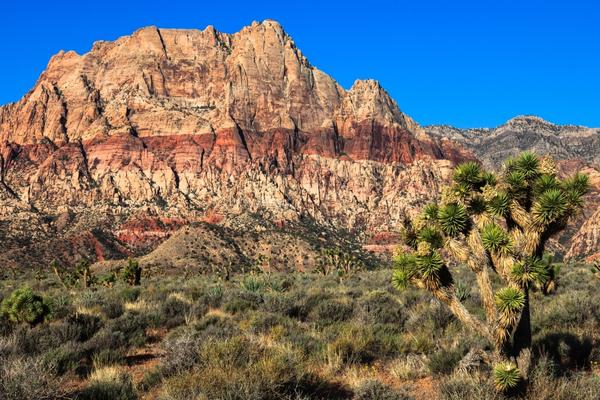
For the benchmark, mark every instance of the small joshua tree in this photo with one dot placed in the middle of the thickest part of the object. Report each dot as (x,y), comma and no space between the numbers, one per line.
(493,223)
(132,273)
(336,260)
(84,274)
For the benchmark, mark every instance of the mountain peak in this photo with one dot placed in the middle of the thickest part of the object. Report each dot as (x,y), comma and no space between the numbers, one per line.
(527,120)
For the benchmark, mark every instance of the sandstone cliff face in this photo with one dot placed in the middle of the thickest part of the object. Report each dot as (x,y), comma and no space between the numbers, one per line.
(113,151)
(180,124)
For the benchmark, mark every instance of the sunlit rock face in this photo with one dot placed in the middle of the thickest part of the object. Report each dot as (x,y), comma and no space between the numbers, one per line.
(112,151)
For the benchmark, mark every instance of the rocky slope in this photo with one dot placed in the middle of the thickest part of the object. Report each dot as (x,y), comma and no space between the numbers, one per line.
(182,125)
(113,151)
(493,145)
(576,147)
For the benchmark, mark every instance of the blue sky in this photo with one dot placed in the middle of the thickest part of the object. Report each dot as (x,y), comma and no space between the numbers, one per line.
(464,63)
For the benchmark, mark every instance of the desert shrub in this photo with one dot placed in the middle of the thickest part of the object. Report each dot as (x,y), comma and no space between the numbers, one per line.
(238,369)
(263,322)
(132,325)
(129,294)
(61,306)
(288,304)
(239,300)
(358,344)
(8,346)
(375,390)
(151,379)
(63,358)
(462,387)
(181,352)
(235,306)
(27,378)
(306,302)
(329,311)
(102,302)
(410,367)
(216,326)
(381,307)
(444,361)
(567,350)
(174,311)
(211,297)
(109,383)
(565,310)
(107,357)
(106,338)
(251,284)
(23,305)
(112,308)
(547,385)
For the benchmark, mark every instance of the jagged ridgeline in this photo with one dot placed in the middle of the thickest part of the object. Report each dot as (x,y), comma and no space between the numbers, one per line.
(114,150)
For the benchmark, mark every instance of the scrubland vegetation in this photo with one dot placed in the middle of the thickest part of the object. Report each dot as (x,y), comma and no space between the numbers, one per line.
(497,319)
(283,336)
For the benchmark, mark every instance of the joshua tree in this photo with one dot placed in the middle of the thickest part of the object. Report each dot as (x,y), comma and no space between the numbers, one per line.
(493,223)
(132,273)
(336,260)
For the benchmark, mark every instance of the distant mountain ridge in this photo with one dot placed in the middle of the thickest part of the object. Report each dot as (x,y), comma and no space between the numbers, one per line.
(526,132)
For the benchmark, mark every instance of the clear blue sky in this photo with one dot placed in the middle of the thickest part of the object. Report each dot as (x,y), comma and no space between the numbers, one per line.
(465,63)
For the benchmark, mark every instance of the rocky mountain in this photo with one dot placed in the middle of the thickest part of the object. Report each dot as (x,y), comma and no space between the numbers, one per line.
(493,145)
(115,150)
(576,147)
(185,125)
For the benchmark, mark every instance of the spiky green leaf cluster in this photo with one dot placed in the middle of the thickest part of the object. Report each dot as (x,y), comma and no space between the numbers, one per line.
(516,182)
(549,207)
(453,218)
(575,188)
(429,265)
(495,239)
(499,204)
(510,300)
(468,174)
(528,165)
(430,212)
(544,183)
(404,265)
(506,376)
(432,236)
(532,270)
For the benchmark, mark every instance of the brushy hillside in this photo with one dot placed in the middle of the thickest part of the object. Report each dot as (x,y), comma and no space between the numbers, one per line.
(280,336)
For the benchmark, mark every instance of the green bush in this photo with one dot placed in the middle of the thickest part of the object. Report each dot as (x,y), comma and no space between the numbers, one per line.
(23,305)
(63,358)
(329,311)
(375,390)
(381,307)
(443,362)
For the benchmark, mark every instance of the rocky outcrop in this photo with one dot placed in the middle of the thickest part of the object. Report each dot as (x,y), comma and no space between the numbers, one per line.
(181,124)
(493,145)
(113,151)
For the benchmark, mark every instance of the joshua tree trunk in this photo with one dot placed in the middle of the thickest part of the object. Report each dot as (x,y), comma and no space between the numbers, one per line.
(521,349)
